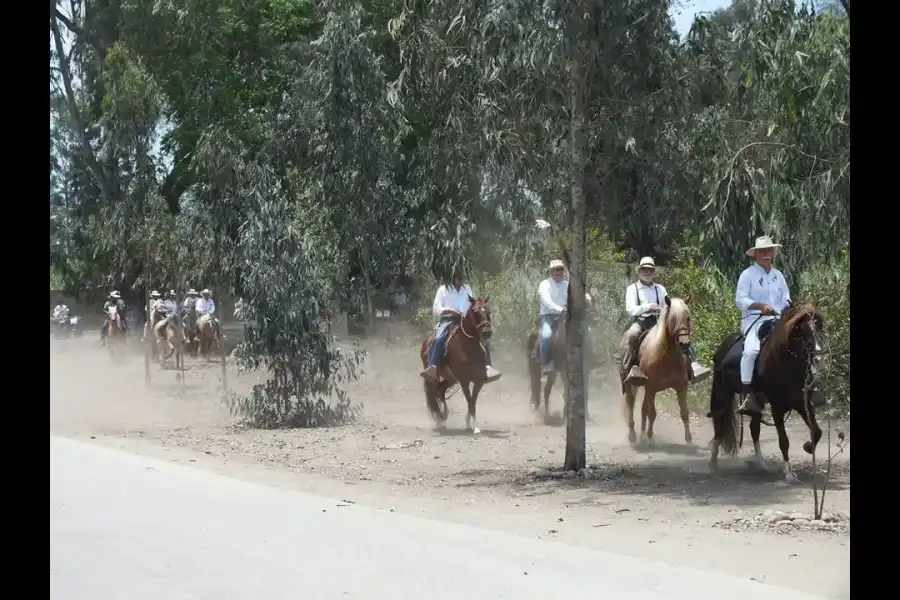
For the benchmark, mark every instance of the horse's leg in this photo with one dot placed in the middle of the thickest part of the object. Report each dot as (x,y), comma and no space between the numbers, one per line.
(548,387)
(783,442)
(755,429)
(685,415)
(628,398)
(815,432)
(471,399)
(534,377)
(650,407)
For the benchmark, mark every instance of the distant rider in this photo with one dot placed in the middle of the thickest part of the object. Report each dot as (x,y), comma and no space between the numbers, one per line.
(114,299)
(206,306)
(553,293)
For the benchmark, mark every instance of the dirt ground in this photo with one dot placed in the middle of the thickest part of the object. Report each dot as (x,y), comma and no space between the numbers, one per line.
(660,502)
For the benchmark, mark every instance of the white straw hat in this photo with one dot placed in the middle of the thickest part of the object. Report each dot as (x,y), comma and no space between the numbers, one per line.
(762,243)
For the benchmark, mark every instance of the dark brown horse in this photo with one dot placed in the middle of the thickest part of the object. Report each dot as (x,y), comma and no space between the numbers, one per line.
(663,357)
(464,362)
(785,375)
(557,356)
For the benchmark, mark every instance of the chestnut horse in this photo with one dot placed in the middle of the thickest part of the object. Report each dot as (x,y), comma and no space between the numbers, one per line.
(785,375)
(173,341)
(205,335)
(663,357)
(464,362)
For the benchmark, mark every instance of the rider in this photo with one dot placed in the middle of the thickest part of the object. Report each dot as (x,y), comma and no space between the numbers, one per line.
(153,306)
(60,312)
(643,303)
(114,299)
(761,293)
(206,306)
(169,307)
(553,293)
(190,301)
(451,303)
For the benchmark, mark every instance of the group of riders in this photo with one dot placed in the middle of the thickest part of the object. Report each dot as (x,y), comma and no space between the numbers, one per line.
(761,296)
(163,310)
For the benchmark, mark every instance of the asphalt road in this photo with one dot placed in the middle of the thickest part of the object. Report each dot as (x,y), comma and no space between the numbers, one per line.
(124,526)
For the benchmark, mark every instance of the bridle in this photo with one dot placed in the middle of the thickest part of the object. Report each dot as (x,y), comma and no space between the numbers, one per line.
(483,330)
(811,353)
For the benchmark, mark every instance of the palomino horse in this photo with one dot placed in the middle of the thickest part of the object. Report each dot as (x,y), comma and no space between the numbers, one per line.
(206,335)
(557,355)
(115,334)
(173,341)
(464,361)
(785,374)
(663,356)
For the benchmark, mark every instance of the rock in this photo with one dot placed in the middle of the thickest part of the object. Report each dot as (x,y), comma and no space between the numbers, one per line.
(571,474)
(769,513)
(817,523)
(586,473)
(800,522)
(844,515)
(541,473)
(557,474)
(798,515)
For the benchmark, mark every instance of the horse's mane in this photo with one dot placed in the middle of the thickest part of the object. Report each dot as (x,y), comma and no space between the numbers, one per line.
(658,340)
(781,335)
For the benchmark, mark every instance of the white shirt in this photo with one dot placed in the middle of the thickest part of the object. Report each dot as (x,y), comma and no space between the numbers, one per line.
(61,311)
(189,302)
(553,296)
(755,285)
(205,305)
(447,297)
(170,306)
(155,303)
(639,297)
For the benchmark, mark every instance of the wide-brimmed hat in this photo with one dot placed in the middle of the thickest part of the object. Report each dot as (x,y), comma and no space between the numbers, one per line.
(114,294)
(646,263)
(155,294)
(192,292)
(205,292)
(556,264)
(762,243)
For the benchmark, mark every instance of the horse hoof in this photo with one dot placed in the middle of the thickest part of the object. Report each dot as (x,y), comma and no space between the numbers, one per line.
(791,478)
(713,464)
(808,447)
(632,437)
(476,432)
(688,439)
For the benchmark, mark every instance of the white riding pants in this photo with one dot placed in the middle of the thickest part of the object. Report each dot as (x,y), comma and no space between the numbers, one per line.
(751,346)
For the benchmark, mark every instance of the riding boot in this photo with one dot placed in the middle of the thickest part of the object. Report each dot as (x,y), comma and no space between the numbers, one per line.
(430,373)
(750,405)
(492,374)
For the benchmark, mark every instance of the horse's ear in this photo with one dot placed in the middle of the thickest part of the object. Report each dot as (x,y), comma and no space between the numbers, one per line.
(668,302)
(471,299)
(486,298)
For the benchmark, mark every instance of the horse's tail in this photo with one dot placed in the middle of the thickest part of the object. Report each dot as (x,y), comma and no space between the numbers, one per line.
(727,425)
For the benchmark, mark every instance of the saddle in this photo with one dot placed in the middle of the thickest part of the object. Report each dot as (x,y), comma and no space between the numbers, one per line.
(732,360)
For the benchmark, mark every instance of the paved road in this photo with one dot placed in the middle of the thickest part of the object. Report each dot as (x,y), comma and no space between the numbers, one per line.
(123,526)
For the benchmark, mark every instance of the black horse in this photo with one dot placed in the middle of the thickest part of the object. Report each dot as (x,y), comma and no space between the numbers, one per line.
(785,376)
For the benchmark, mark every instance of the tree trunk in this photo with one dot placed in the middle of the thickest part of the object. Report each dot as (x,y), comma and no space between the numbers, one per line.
(576,388)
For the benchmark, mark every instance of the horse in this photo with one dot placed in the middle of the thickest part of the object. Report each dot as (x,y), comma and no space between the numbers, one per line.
(205,334)
(663,355)
(464,362)
(155,317)
(190,328)
(785,374)
(173,341)
(557,356)
(116,333)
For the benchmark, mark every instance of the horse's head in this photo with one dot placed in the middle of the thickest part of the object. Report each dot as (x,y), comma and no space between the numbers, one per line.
(678,321)
(801,335)
(480,316)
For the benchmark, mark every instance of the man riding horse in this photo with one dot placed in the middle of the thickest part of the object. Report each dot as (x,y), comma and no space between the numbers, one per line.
(553,293)
(451,302)
(762,291)
(155,299)
(206,308)
(168,307)
(643,303)
(114,299)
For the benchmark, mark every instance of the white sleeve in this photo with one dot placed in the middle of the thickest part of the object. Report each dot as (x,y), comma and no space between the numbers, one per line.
(742,295)
(547,298)
(438,307)
(632,307)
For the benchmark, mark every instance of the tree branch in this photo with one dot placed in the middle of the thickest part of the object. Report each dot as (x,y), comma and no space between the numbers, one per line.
(105,187)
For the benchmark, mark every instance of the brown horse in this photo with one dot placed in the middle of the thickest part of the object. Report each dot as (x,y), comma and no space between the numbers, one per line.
(115,334)
(155,317)
(663,356)
(206,335)
(785,375)
(557,356)
(464,362)
(172,342)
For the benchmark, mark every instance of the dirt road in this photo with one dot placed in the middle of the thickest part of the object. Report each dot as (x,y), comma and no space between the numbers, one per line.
(659,502)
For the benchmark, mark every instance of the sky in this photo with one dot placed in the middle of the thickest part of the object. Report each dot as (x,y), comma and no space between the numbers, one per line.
(686,10)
